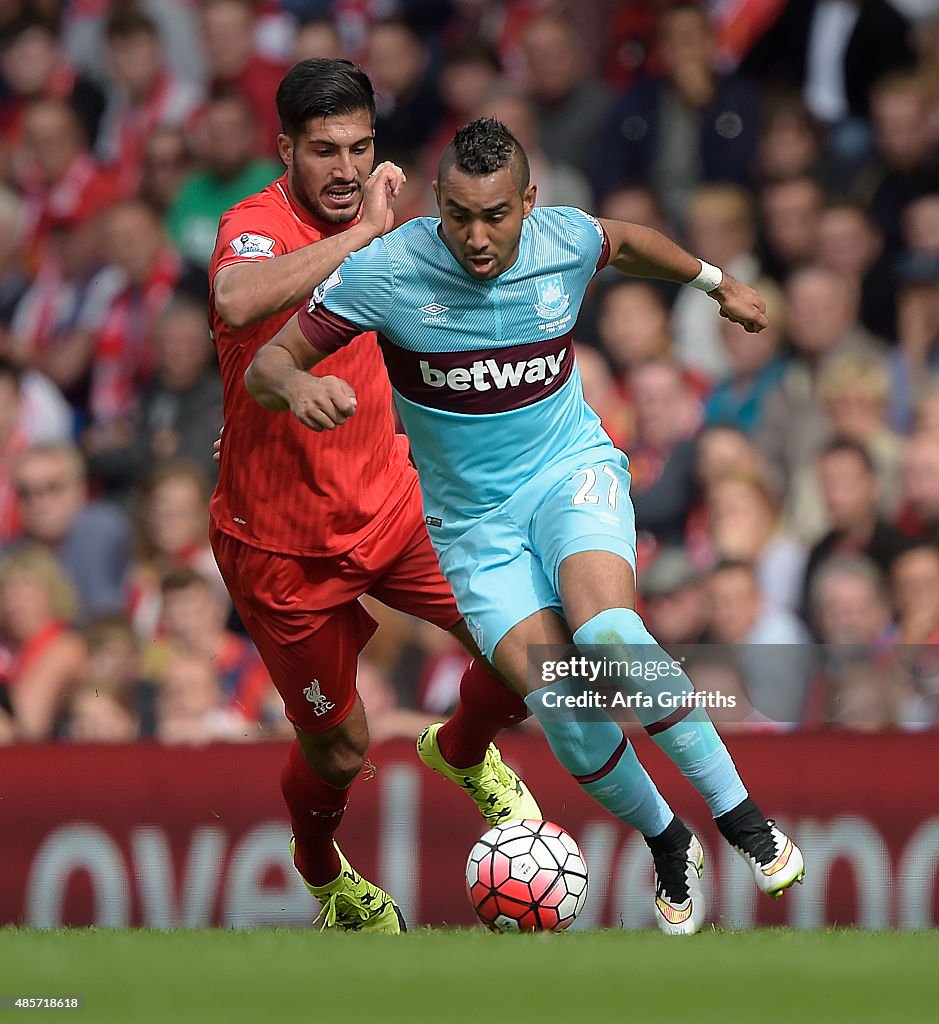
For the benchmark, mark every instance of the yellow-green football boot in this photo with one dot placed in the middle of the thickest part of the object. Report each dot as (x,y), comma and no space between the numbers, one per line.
(496,790)
(352,904)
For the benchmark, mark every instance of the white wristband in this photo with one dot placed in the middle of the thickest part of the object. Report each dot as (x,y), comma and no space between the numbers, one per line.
(709,278)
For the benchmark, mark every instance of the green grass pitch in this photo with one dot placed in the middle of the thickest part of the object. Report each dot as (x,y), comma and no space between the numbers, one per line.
(451,977)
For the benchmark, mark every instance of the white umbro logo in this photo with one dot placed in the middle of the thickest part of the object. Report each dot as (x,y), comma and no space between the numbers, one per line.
(434,309)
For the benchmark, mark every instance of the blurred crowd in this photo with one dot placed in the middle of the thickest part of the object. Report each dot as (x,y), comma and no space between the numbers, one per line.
(786,484)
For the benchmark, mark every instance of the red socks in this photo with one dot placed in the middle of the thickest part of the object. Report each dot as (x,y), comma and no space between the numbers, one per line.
(486,706)
(316,809)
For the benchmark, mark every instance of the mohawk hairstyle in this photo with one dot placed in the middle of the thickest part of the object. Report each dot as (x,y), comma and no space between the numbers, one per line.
(483,147)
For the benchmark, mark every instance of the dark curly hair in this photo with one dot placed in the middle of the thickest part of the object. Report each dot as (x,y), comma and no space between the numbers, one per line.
(483,147)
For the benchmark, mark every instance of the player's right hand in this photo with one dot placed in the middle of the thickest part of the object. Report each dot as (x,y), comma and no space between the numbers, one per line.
(321,403)
(381,190)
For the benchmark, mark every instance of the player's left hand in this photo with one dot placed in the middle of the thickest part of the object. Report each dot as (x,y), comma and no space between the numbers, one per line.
(741,304)
(378,197)
(217,447)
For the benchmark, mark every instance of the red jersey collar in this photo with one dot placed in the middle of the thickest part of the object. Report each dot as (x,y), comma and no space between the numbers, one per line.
(304,216)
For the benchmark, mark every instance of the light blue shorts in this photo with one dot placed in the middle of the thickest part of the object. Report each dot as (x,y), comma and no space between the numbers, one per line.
(505,567)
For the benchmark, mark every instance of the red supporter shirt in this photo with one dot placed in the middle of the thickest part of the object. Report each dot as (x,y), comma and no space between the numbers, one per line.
(283,487)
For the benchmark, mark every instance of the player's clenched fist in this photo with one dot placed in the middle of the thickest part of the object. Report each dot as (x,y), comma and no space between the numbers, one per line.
(741,304)
(381,190)
(320,403)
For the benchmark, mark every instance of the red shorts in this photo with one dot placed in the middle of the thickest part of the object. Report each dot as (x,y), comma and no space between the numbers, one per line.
(304,616)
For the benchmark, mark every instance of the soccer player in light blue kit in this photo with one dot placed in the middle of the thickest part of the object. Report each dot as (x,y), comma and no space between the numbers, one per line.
(525,496)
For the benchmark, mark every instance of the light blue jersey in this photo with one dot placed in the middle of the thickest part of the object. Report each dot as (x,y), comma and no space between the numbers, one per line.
(485,381)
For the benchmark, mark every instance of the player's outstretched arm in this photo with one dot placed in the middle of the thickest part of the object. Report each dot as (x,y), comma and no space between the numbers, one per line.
(253,290)
(643,252)
(279,379)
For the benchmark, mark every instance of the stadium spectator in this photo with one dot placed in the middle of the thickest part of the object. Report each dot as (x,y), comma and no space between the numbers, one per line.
(776,678)
(316,37)
(921,225)
(871,697)
(570,105)
(915,586)
(632,327)
(854,391)
(724,450)
(167,161)
(756,368)
(33,68)
(101,715)
(13,443)
(927,411)
(851,244)
(674,599)
(914,581)
(172,525)
(915,363)
(851,488)
(180,407)
(790,211)
(635,204)
(115,669)
(919,508)
(822,322)
(905,163)
(690,125)
(410,108)
(145,95)
(851,616)
(59,177)
(228,171)
(718,672)
(721,228)
(52,324)
(192,622)
(148,272)
(661,452)
(848,603)
(790,140)
(31,412)
(13,279)
(832,52)
(234,65)
(743,517)
(37,604)
(91,539)
(190,707)
(84,37)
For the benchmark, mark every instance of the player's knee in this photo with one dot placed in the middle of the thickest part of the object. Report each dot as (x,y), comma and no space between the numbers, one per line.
(621,626)
(336,758)
(341,766)
(337,764)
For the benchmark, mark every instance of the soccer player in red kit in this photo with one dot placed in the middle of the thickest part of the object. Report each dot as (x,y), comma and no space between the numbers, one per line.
(304,523)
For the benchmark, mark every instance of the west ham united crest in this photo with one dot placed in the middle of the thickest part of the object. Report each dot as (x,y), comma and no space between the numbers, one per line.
(552,299)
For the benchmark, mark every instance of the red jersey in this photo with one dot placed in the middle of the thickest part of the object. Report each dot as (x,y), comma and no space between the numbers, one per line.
(283,487)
